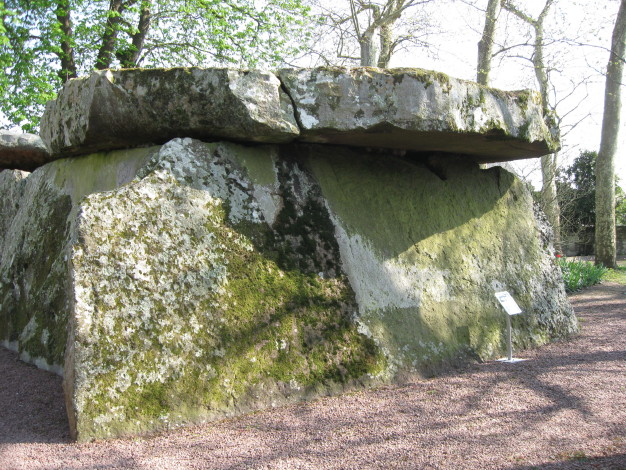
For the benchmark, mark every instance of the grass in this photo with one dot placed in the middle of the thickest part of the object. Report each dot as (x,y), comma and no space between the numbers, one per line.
(578,455)
(616,275)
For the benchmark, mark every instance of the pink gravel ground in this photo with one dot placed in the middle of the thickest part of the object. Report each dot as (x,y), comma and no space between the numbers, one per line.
(564,408)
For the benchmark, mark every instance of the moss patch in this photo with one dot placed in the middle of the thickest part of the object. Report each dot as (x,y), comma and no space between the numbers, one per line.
(35,285)
(426,254)
(98,172)
(181,316)
(225,278)
(33,291)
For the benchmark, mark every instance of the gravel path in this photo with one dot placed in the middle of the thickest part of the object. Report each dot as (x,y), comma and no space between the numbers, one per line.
(564,408)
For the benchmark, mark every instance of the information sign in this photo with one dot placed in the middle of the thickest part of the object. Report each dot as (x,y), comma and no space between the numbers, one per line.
(508,303)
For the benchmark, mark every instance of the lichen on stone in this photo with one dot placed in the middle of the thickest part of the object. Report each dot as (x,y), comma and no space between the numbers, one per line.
(195,280)
(179,315)
(419,110)
(37,213)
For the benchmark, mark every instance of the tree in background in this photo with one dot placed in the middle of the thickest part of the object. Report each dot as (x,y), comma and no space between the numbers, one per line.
(369,32)
(43,43)
(576,188)
(582,38)
(605,164)
(549,199)
(486,43)
(374,23)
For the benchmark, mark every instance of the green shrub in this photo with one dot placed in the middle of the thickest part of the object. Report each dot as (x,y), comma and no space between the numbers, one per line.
(580,274)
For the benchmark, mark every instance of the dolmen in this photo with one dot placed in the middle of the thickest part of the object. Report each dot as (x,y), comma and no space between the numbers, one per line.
(193,244)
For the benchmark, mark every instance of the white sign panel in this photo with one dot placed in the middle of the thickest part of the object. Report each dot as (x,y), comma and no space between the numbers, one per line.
(508,303)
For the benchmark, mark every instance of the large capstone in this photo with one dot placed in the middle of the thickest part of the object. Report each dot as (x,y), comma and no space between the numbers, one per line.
(117,109)
(420,110)
(22,151)
(403,109)
(194,280)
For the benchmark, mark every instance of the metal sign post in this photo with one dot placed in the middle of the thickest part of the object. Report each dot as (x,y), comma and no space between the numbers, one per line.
(511,308)
(508,324)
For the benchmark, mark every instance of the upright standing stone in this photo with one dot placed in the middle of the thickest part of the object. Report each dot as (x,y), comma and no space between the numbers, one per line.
(196,280)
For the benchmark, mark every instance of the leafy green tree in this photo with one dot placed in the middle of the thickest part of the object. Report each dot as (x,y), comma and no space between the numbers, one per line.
(576,186)
(44,43)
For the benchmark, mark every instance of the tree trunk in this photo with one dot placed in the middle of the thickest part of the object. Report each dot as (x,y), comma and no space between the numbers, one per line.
(129,57)
(105,54)
(68,65)
(548,162)
(605,163)
(485,45)
(538,59)
(386,45)
(145,21)
(369,48)
(549,196)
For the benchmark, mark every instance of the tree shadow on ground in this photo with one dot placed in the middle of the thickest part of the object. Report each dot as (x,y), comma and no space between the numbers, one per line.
(456,420)
(613,462)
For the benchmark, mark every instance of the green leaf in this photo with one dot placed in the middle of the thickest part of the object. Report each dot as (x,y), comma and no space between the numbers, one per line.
(182,33)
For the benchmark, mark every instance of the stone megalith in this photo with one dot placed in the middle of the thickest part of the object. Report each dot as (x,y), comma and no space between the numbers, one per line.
(201,280)
(420,110)
(194,280)
(22,151)
(404,109)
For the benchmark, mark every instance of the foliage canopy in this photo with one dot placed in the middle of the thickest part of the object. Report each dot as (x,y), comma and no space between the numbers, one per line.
(576,186)
(44,43)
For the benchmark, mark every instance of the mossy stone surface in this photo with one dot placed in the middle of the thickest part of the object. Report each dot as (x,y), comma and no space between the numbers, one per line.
(190,306)
(404,109)
(114,109)
(425,255)
(417,110)
(38,211)
(22,151)
(193,281)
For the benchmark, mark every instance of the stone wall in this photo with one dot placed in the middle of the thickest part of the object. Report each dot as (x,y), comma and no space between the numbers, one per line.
(583,243)
(195,279)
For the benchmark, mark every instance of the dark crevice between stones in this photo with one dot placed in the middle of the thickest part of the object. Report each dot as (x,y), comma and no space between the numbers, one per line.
(296,115)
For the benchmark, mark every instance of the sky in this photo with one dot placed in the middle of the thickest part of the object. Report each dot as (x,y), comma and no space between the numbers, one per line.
(587,21)
(457,26)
